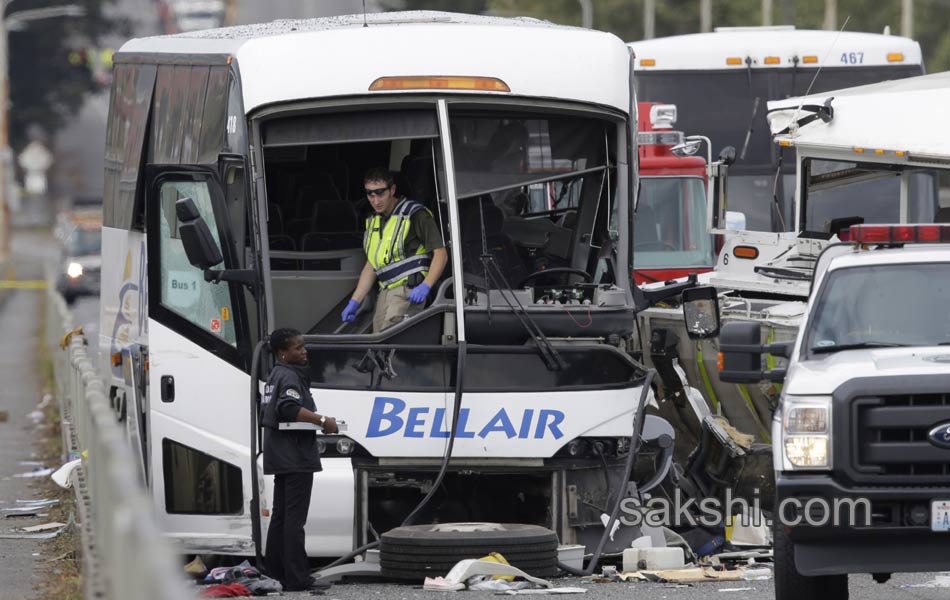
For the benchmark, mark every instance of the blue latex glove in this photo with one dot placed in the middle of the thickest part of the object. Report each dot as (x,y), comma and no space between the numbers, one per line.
(419,293)
(349,313)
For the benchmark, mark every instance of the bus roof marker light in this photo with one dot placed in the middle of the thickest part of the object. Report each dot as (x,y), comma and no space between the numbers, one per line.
(438,82)
(772,60)
(733,60)
(858,150)
(785,143)
(647,62)
(895,57)
(663,116)
(811,59)
(900,153)
(878,151)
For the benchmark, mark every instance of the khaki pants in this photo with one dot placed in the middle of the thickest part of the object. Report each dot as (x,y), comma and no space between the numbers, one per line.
(392,306)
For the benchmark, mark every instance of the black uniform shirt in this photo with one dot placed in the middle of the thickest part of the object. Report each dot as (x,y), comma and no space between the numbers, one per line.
(288,450)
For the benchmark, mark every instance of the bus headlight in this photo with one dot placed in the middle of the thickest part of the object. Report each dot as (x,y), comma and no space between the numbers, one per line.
(74,270)
(806,433)
(344,446)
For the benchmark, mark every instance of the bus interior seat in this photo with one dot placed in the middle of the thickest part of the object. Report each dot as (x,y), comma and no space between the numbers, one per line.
(337,222)
(298,228)
(942,215)
(275,219)
(284,243)
(500,246)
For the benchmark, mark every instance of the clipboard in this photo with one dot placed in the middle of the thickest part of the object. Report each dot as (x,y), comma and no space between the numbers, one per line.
(300,426)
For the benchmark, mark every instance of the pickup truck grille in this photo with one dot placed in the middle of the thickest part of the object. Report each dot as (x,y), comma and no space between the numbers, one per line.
(892,439)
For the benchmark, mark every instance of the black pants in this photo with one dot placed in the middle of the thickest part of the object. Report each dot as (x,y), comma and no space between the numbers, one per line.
(285,554)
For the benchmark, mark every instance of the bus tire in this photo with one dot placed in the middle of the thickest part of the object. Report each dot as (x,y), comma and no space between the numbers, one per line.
(426,550)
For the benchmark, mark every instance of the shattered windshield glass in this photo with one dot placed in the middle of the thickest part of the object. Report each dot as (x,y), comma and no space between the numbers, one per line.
(529,188)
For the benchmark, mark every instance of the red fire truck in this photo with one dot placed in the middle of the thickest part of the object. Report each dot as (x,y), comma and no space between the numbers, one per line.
(670,237)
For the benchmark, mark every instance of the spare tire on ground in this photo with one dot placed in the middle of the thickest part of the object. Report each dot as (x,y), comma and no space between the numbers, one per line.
(420,551)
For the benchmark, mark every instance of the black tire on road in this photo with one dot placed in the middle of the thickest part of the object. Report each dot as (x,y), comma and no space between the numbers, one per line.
(422,551)
(792,585)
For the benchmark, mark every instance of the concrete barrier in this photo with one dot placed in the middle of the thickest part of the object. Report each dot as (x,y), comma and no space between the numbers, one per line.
(124,553)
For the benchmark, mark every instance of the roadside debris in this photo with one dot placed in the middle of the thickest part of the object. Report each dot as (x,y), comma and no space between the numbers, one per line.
(37,472)
(63,475)
(492,574)
(40,532)
(43,527)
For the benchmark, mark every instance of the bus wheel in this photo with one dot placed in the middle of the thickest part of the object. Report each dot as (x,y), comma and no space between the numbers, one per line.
(421,551)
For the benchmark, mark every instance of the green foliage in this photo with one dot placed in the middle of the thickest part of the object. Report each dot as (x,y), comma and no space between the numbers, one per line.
(45,88)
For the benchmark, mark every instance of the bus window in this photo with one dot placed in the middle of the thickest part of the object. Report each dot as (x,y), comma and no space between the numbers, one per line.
(183,288)
(838,189)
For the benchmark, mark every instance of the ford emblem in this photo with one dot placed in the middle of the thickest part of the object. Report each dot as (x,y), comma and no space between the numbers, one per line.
(940,435)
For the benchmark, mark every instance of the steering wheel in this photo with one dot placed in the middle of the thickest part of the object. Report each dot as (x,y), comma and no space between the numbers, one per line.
(657,245)
(588,278)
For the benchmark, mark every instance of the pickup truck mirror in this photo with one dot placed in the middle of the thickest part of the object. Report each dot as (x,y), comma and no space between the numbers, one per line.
(701,312)
(200,247)
(740,352)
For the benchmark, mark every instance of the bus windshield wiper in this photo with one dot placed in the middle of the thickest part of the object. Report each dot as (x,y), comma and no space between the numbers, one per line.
(857,346)
(493,275)
(755,109)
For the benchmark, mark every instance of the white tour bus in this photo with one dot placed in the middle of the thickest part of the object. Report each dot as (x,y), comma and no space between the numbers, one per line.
(259,136)
(721,82)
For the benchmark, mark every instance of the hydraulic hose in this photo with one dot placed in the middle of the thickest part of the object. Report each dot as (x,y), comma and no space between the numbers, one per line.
(446,458)
(636,439)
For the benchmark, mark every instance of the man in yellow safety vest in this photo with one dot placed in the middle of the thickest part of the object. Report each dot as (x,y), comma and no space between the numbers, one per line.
(404,253)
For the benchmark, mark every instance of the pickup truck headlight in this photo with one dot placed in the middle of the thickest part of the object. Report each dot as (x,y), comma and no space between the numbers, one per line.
(806,433)
(74,270)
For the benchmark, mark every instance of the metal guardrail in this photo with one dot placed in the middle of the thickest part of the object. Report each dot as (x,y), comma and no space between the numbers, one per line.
(124,552)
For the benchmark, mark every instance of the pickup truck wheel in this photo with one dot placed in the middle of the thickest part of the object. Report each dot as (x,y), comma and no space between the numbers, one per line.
(792,585)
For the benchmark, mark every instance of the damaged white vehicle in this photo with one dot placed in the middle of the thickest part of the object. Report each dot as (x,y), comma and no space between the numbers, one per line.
(234,206)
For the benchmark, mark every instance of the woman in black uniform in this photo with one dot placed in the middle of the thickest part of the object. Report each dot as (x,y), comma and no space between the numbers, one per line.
(291,455)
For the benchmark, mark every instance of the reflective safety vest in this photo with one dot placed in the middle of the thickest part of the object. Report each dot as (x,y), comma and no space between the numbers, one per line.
(386,248)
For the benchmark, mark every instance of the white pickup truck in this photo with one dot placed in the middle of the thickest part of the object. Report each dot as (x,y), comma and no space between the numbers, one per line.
(862,431)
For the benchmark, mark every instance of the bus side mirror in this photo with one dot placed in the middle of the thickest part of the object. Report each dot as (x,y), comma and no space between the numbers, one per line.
(200,247)
(727,155)
(701,312)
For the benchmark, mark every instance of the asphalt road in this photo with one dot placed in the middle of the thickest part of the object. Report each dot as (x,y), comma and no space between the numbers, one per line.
(860,586)
(20,319)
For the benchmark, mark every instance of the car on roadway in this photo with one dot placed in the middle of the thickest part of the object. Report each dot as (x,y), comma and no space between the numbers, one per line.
(81,261)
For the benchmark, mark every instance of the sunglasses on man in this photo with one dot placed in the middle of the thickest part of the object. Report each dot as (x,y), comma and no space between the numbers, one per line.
(376,192)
